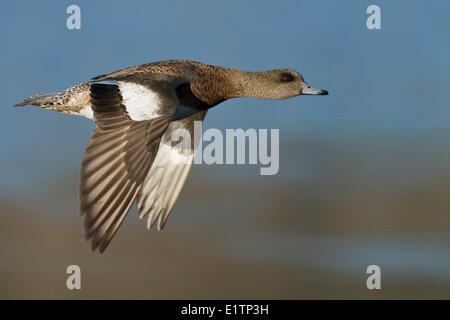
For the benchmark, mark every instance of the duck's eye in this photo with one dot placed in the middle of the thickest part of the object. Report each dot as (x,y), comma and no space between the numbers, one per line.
(286,77)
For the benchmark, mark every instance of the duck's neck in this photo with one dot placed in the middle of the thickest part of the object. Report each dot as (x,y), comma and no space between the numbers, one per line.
(253,84)
(220,84)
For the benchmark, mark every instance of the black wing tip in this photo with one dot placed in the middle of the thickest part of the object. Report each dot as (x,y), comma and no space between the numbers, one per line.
(90,235)
(95,245)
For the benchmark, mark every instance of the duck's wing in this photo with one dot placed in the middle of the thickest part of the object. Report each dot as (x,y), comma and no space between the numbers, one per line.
(130,121)
(169,170)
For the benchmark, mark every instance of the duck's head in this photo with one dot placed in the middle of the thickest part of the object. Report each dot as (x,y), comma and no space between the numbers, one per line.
(287,83)
(226,83)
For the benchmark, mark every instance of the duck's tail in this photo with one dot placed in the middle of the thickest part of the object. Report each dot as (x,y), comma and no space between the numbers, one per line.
(72,101)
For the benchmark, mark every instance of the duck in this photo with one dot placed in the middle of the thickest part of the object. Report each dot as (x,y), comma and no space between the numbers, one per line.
(136,110)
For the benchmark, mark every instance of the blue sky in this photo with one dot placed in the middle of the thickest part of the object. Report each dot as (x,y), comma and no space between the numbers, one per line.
(383,84)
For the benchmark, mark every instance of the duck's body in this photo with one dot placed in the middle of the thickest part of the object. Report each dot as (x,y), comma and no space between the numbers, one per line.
(136,110)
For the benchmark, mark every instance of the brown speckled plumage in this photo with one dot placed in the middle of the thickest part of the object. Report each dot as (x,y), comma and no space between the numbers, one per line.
(68,101)
(211,84)
(129,155)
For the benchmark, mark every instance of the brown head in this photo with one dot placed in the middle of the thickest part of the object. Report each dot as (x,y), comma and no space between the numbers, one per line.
(275,84)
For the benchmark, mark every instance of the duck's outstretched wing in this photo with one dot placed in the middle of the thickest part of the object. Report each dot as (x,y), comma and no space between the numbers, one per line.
(119,155)
(169,170)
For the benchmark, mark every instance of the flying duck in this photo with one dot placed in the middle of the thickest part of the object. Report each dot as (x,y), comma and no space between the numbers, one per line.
(136,110)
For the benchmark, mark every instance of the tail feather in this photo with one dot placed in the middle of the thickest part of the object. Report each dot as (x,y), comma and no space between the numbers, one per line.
(71,101)
(40,100)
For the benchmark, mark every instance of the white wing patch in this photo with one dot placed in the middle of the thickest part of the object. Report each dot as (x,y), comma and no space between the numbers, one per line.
(86,111)
(175,155)
(140,102)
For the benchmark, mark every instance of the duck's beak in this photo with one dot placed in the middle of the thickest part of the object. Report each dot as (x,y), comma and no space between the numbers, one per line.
(307,89)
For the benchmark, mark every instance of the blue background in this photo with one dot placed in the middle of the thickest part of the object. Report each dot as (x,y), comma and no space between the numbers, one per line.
(377,146)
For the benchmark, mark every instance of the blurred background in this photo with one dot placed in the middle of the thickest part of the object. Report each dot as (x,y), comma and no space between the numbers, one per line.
(364,172)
